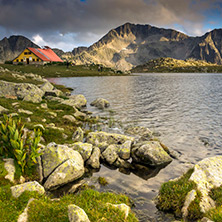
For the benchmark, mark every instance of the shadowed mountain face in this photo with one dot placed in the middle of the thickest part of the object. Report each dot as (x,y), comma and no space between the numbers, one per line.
(130,45)
(13,46)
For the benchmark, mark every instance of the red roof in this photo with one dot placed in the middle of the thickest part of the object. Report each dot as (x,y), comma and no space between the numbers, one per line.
(45,54)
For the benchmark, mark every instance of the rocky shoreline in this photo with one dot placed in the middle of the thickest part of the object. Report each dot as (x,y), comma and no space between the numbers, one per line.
(73,142)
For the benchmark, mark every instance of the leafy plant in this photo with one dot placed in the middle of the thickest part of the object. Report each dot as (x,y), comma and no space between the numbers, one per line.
(15,143)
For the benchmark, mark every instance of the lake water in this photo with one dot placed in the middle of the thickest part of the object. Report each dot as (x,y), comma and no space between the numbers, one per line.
(186,109)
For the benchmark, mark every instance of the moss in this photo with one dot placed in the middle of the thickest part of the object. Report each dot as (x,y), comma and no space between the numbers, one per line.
(102,181)
(173,193)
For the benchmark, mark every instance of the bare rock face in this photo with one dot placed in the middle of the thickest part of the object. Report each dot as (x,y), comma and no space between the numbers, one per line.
(130,45)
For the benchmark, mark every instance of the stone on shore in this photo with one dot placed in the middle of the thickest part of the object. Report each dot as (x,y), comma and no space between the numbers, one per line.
(94,160)
(100,103)
(78,135)
(85,149)
(110,154)
(78,101)
(17,190)
(61,165)
(207,175)
(150,153)
(106,139)
(77,214)
(10,168)
(139,131)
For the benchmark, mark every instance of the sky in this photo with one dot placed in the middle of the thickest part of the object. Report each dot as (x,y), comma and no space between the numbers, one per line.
(67,24)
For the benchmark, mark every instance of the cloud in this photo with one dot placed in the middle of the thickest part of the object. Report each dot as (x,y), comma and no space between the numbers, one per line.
(88,20)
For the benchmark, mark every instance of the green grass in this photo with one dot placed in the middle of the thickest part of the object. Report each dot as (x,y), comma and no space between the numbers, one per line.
(93,203)
(173,193)
(60,70)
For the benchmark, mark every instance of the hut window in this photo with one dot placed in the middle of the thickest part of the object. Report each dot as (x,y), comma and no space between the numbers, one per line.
(37,60)
(33,60)
(21,60)
(17,60)
(25,53)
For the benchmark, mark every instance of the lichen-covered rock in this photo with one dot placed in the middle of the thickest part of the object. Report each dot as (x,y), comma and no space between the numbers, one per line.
(79,114)
(25,91)
(78,101)
(17,190)
(207,175)
(54,155)
(98,138)
(139,131)
(10,168)
(122,207)
(44,106)
(189,198)
(78,135)
(70,170)
(124,150)
(47,86)
(120,163)
(3,110)
(100,103)
(94,160)
(150,153)
(110,154)
(77,214)
(85,149)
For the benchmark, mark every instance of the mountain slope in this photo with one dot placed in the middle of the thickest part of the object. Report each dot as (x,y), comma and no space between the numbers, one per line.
(12,46)
(130,45)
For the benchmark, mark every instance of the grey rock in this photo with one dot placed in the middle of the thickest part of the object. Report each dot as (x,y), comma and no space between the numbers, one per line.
(110,154)
(124,150)
(100,103)
(25,111)
(78,101)
(85,149)
(77,214)
(122,207)
(44,106)
(47,86)
(78,135)
(17,190)
(139,131)
(69,118)
(94,160)
(189,198)
(24,216)
(150,153)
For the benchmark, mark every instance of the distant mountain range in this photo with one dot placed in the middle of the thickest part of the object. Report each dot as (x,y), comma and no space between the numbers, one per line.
(130,45)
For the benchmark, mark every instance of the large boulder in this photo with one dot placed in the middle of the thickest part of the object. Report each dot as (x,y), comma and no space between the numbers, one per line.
(150,153)
(77,214)
(207,175)
(100,103)
(25,91)
(85,149)
(78,101)
(61,165)
(103,139)
(17,190)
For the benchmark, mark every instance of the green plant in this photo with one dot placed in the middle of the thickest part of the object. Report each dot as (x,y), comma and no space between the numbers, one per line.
(23,148)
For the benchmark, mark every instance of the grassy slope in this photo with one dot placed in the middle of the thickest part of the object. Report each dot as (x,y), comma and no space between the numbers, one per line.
(60,70)
(165,65)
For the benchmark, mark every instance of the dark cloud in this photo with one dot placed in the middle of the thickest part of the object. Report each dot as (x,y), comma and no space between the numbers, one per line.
(89,19)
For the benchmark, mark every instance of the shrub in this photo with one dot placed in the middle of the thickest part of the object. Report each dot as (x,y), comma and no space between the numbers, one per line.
(8,62)
(15,144)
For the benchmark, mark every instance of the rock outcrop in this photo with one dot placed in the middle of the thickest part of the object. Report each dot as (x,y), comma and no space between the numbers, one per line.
(77,214)
(100,103)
